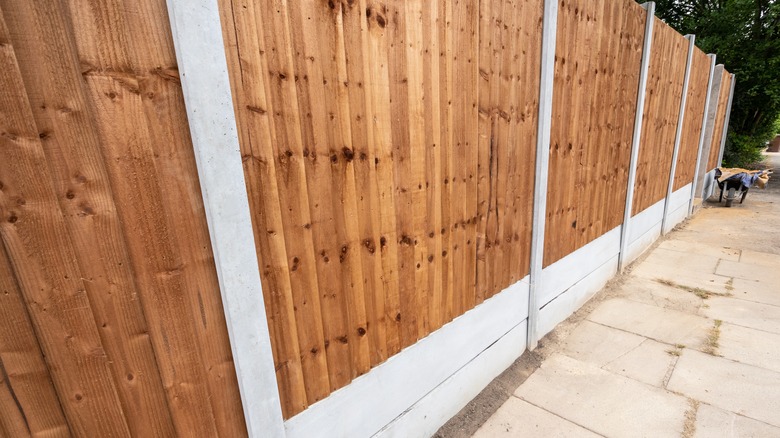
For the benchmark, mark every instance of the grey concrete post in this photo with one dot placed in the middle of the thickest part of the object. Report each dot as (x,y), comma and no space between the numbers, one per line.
(640,109)
(549,31)
(200,52)
(680,124)
(703,137)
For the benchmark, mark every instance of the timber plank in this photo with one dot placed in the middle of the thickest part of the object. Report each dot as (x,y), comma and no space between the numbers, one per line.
(45,42)
(44,262)
(252,108)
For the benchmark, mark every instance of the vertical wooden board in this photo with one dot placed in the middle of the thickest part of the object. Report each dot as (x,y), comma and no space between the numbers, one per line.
(379,37)
(131,74)
(489,69)
(432,91)
(44,262)
(599,43)
(415,61)
(446,34)
(12,419)
(320,138)
(44,42)
(524,114)
(355,24)
(25,376)
(293,158)
(158,266)
(694,113)
(662,109)
(255,127)
(151,52)
(470,73)
(402,161)
(720,121)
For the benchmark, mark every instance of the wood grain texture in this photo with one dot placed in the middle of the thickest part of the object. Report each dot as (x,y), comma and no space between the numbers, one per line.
(720,121)
(694,114)
(598,53)
(105,230)
(666,74)
(362,122)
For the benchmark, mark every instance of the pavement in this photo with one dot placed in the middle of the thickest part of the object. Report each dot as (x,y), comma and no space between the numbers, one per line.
(687,344)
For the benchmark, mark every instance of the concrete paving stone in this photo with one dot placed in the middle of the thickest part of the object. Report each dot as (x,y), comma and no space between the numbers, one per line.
(701,248)
(760,258)
(518,418)
(745,313)
(693,270)
(758,291)
(652,292)
(664,325)
(750,346)
(749,271)
(647,363)
(712,422)
(603,402)
(598,344)
(744,389)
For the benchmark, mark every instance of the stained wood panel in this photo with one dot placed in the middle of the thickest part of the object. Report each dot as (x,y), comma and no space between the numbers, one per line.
(720,121)
(694,115)
(111,276)
(397,139)
(598,53)
(666,74)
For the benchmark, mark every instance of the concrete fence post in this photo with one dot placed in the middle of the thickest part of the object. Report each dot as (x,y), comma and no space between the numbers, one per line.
(726,121)
(680,125)
(703,136)
(200,52)
(550,27)
(640,109)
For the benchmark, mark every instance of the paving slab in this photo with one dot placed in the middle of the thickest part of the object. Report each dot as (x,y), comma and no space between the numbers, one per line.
(598,344)
(693,270)
(648,363)
(760,258)
(758,291)
(743,389)
(745,313)
(712,422)
(664,325)
(748,271)
(688,247)
(750,346)
(652,292)
(518,418)
(603,402)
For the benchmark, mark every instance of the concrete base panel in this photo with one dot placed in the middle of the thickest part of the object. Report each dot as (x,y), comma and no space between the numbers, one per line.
(425,384)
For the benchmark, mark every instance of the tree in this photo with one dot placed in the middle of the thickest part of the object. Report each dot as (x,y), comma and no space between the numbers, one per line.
(745,35)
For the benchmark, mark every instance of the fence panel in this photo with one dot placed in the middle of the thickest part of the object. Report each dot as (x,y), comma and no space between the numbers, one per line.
(105,231)
(397,139)
(720,121)
(694,115)
(666,74)
(598,55)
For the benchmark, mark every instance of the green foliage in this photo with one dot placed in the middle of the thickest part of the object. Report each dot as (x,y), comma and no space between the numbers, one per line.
(745,35)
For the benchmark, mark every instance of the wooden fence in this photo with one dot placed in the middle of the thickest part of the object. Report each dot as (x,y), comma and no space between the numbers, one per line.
(389,151)
(111,320)
(396,150)
(668,61)
(599,49)
(692,123)
(720,118)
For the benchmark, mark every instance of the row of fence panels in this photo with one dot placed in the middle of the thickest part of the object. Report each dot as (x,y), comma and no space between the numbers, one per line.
(244,217)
